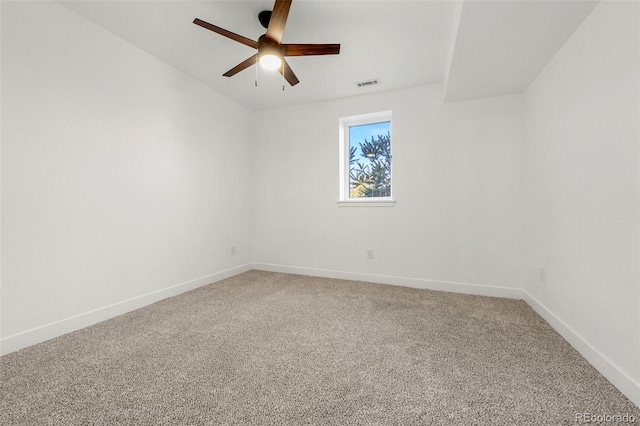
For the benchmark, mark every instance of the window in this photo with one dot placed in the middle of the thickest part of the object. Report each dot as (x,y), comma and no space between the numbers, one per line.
(365,160)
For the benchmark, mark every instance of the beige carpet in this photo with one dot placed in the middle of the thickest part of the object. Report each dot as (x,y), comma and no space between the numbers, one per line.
(276,349)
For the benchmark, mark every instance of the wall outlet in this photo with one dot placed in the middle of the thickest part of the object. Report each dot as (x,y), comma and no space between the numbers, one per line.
(233,250)
(369,253)
(543,275)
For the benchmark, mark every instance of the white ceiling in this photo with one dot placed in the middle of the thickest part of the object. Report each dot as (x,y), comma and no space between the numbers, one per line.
(481,48)
(501,46)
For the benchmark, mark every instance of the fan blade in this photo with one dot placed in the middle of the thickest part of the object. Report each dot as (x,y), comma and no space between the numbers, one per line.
(241,66)
(310,49)
(278,20)
(228,34)
(288,73)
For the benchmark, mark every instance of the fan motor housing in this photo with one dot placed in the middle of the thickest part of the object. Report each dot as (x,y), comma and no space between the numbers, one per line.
(267,46)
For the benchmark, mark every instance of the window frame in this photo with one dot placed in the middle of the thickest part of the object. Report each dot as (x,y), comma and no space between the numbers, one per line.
(345,123)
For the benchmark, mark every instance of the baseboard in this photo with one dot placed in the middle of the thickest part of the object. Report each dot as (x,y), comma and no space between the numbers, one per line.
(625,383)
(58,328)
(454,287)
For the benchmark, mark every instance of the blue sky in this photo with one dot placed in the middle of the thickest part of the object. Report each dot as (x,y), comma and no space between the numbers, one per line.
(357,134)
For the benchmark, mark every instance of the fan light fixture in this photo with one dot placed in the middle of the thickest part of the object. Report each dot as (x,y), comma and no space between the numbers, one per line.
(270,62)
(269,54)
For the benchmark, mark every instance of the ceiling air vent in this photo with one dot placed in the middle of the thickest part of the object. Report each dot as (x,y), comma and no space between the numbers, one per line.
(367,83)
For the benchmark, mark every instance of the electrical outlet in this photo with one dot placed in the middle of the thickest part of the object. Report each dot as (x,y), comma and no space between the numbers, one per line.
(233,250)
(369,253)
(543,275)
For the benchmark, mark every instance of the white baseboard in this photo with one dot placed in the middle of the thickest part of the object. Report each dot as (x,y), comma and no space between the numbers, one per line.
(58,328)
(625,383)
(454,287)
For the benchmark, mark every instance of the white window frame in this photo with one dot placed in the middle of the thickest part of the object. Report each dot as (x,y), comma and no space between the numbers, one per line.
(344,124)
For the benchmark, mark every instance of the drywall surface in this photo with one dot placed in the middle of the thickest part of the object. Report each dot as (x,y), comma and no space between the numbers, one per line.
(123,180)
(456,182)
(582,169)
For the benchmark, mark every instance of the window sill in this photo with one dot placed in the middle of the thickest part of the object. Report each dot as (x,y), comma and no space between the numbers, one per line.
(366,203)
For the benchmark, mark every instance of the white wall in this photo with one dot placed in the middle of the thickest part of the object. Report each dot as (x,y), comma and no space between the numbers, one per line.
(123,180)
(582,214)
(455,178)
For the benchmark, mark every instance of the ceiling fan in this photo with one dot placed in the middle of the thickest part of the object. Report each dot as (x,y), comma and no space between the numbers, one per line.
(271,50)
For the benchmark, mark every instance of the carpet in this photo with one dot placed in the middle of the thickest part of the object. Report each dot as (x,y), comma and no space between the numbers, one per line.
(265,348)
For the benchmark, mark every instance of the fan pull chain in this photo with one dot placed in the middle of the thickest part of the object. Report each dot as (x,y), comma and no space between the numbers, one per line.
(256,70)
(283,74)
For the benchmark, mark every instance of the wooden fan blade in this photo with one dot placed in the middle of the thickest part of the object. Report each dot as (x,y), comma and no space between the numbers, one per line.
(310,49)
(278,20)
(228,34)
(288,73)
(241,66)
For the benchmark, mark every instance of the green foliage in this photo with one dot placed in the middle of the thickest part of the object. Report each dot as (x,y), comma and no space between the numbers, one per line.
(370,175)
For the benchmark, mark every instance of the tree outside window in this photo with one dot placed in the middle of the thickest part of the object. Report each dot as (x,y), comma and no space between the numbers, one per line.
(370,160)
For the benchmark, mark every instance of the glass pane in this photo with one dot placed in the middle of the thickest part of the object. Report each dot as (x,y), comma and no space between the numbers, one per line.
(370,160)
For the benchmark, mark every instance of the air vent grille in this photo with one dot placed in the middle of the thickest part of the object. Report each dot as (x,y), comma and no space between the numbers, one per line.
(368,83)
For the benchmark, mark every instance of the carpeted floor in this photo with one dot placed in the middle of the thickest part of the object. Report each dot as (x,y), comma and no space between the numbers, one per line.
(274,349)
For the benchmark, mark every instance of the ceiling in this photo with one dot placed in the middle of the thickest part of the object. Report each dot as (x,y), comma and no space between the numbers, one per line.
(478,48)
(501,46)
